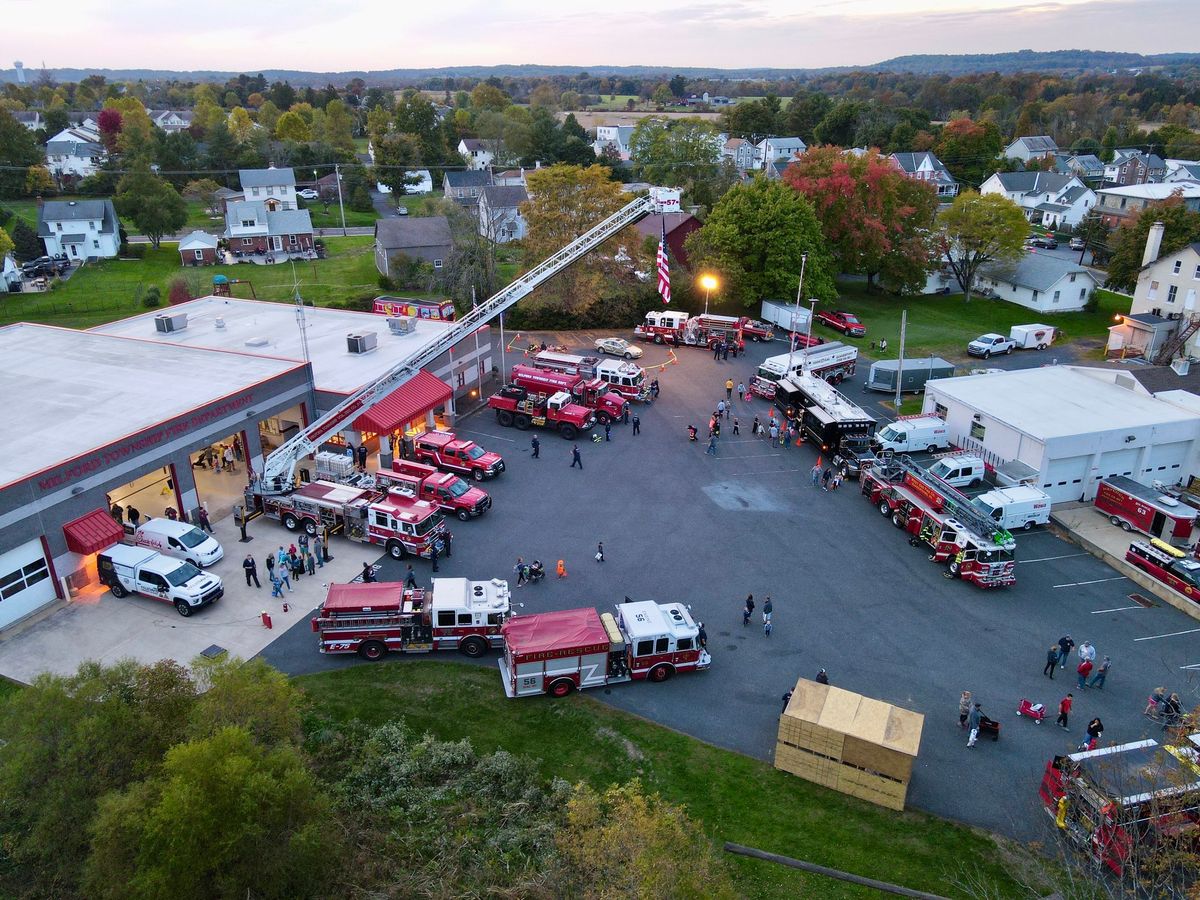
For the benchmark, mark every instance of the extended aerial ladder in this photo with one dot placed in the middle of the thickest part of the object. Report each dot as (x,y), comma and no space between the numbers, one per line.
(279,468)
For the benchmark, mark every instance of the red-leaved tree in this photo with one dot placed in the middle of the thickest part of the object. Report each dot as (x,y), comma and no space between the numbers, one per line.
(109,122)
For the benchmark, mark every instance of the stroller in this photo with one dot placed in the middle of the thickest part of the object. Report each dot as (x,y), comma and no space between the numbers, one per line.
(535,572)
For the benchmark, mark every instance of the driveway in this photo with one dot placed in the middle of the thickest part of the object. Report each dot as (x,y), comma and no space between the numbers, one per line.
(850,595)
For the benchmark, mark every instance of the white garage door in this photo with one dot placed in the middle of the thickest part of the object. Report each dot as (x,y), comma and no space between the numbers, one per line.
(25,582)
(1166,461)
(1064,478)
(1118,462)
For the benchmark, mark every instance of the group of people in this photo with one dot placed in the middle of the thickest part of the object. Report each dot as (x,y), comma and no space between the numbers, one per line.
(358,456)
(294,562)
(1165,708)
(221,457)
(768,613)
(829,479)
(722,349)
(1089,673)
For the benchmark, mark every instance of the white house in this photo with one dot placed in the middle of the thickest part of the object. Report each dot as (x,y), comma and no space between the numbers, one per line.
(1182,170)
(740,152)
(1039,281)
(1048,198)
(30,118)
(171,120)
(615,136)
(75,152)
(1031,147)
(80,229)
(476,153)
(1164,300)
(500,218)
(773,149)
(421,182)
(1072,426)
(925,166)
(275,188)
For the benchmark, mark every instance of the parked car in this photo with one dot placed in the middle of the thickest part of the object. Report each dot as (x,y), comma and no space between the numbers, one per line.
(618,347)
(1077,243)
(45,265)
(845,322)
(1045,243)
(991,343)
(308,194)
(402,210)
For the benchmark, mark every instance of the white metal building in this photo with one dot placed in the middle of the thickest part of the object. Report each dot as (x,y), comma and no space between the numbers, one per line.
(1072,425)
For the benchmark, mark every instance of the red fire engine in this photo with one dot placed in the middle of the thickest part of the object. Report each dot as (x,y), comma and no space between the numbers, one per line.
(401,525)
(933,513)
(445,491)
(678,328)
(375,619)
(515,406)
(591,393)
(1167,564)
(559,652)
(622,377)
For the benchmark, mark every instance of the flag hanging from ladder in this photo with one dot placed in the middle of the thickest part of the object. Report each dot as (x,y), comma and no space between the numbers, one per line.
(664,268)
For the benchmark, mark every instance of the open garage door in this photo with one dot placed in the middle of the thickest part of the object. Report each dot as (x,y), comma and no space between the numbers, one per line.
(25,582)
(1166,462)
(1065,478)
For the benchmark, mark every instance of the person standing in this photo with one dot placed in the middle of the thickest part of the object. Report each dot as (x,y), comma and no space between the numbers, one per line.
(741,389)
(608,431)
(774,432)
(701,636)
(736,430)
(720,410)
(433,556)
(600,552)
(712,445)
(747,610)
(964,708)
(410,578)
(276,585)
(319,550)
(973,718)
(1083,670)
(310,564)
(1064,711)
(536,445)
(1087,652)
(1095,729)
(755,427)
(625,413)
(270,566)
(251,569)
(576,459)
(202,515)
(822,677)
(133,514)
(1065,644)
(368,575)
(281,572)
(826,477)
(561,569)
(519,571)
(728,388)
(1101,674)
(767,611)
(115,512)
(815,473)
(786,698)
(1051,661)
(654,388)
(229,458)
(725,352)
(637,424)
(362,457)
(449,544)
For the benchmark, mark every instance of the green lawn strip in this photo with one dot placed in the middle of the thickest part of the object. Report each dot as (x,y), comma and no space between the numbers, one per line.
(333,217)
(736,798)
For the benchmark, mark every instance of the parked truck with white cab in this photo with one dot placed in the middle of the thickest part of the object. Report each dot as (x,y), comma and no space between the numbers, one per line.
(909,434)
(1015,507)
(139,570)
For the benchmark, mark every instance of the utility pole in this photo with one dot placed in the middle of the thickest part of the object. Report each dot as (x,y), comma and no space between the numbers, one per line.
(900,361)
(796,314)
(338,178)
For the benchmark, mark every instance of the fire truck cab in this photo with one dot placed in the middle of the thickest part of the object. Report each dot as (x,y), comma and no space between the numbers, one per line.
(444,450)
(419,481)
(589,392)
(663,326)
(625,378)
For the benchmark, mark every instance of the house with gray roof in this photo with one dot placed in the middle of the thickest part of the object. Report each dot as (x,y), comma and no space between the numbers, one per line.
(615,137)
(1031,147)
(1050,200)
(479,154)
(426,238)
(1132,166)
(1182,170)
(79,229)
(30,118)
(465,187)
(171,120)
(252,228)
(1038,281)
(274,187)
(1085,166)
(500,219)
(75,152)
(926,167)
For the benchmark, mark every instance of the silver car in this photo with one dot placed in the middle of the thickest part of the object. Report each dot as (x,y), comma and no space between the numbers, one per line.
(618,347)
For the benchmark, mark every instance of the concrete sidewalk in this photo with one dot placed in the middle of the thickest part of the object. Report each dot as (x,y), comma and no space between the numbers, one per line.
(96,625)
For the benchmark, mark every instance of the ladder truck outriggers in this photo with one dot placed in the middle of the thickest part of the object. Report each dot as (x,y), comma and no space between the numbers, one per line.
(278,478)
(969,543)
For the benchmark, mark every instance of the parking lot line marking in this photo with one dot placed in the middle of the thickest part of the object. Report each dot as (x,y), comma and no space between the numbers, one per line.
(768,472)
(1096,612)
(1095,581)
(1048,558)
(490,437)
(1155,637)
(1192,666)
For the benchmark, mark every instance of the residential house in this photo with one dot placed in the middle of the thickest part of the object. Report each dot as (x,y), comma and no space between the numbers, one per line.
(1084,166)
(1182,170)
(1116,204)
(478,154)
(254,227)
(171,120)
(75,152)
(1165,295)
(426,238)
(420,182)
(198,249)
(1040,282)
(614,136)
(678,226)
(740,152)
(275,188)
(500,219)
(776,148)
(327,185)
(509,178)
(80,229)
(30,118)
(1028,148)
(1131,166)
(1049,199)
(464,187)
(924,166)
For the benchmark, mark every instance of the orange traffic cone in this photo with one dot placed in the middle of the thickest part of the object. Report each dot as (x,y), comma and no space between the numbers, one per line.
(819,466)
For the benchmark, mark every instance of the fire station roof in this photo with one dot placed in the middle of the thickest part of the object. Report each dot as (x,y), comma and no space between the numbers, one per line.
(271,329)
(70,392)
(561,629)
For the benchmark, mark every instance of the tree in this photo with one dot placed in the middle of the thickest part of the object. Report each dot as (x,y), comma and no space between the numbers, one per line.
(339,126)
(978,230)
(969,149)
(222,148)
(416,116)
(544,96)
(26,243)
(6,244)
(267,116)
(292,127)
(109,123)
(751,119)
(876,219)
(395,155)
(684,153)
(18,151)
(572,128)
(488,96)
(203,190)
(38,181)
(662,95)
(206,116)
(151,203)
(804,112)
(241,126)
(678,86)
(1128,242)
(839,124)
(569,100)
(1108,144)
(754,239)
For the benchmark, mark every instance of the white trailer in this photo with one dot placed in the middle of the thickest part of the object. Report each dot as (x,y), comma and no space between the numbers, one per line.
(1029,337)
(833,361)
(1015,507)
(785,315)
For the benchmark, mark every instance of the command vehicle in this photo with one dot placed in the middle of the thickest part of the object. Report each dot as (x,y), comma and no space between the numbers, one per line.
(444,450)
(625,378)
(1020,506)
(833,361)
(517,407)
(592,393)
(1136,507)
(911,433)
(845,322)
(400,525)
(375,619)
(1167,564)
(827,417)
(420,481)
(1030,337)
(987,345)
(959,470)
(559,652)
(139,570)
(171,537)
(970,544)
(1120,802)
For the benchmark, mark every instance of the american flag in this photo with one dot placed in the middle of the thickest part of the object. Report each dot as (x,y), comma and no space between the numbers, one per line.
(664,268)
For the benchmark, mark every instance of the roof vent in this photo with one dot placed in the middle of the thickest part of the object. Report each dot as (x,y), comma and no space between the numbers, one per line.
(1181,365)
(362,341)
(166,323)
(70,203)
(220,323)
(257,342)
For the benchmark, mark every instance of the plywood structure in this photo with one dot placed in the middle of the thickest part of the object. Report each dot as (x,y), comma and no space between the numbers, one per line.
(848,742)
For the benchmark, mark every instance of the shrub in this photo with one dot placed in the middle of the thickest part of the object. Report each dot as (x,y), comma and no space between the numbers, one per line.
(179,291)
(360,200)
(386,284)
(152,297)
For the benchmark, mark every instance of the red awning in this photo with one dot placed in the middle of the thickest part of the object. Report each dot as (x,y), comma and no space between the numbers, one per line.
(407,402)
(93,532)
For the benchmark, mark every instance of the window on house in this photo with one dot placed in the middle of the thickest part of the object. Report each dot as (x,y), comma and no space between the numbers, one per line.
(1056,296)
(1035,294)
(978,431)
(1171,292)
(254,192)
(247,242)
(199,254)
(248,223)
(1083,293)
(437,263)
(1178,265)
(58,226)
(91,226)
(1122,203)
(270,191)
(291,240)
(96,245)
(1153,292)
(1196,274)
(1072,276)
(940,410)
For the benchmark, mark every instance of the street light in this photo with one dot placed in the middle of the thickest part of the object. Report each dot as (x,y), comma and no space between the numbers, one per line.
(709,284)
(799,294)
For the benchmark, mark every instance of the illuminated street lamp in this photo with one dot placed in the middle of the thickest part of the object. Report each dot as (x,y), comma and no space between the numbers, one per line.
(709,284)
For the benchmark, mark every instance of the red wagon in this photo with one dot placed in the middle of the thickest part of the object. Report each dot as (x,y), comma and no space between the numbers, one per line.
(1035,711)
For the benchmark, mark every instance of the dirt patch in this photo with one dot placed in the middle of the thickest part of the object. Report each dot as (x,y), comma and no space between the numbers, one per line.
(630,748)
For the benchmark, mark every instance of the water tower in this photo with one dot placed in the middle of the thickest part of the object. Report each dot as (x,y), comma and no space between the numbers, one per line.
(20,67)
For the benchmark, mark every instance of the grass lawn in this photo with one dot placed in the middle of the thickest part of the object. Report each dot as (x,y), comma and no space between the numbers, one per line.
(198,215)
(104,291)
(735,798)
(333,218)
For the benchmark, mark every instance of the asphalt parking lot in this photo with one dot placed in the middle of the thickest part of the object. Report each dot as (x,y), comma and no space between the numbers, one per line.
(850,595)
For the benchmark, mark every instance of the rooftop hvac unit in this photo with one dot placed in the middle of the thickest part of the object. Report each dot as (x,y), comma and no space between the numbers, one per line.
(220,322)
(402,324)
(170,322)
(362,341)
(1181,365)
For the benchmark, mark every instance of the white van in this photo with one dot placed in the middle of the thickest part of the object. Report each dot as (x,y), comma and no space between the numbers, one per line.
(959,471)
(913,433)
(1015,507)
(179,539)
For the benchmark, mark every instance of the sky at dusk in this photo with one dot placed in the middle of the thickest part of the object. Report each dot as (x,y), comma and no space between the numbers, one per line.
(341,35)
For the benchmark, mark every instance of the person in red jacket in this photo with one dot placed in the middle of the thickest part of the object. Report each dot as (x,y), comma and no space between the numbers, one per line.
(1084,670)
(1064,710)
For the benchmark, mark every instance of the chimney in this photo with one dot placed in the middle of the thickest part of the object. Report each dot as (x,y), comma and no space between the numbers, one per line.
(1153,243)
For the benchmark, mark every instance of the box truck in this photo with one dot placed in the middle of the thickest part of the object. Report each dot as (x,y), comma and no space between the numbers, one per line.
(1015,507)
(913,374)
(787,316)
(911,433)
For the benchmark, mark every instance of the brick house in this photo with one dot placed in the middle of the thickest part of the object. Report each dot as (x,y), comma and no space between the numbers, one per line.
(678,227)
(198,249)
(250,228)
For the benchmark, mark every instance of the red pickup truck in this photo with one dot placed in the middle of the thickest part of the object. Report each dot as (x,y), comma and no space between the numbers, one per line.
(444,450)
(443,490)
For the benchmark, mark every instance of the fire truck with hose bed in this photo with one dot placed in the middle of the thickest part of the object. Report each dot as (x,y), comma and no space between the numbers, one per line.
(833,422)
(375,619)
(590,393)
(278,477)
(625,378)
(559,652)
(933,513)
(680,329)
(517,407)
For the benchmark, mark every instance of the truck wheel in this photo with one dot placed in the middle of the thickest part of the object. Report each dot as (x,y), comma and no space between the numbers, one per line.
(463,515)
(290,522)
(181,607)
(1028,525)
(1008,351)
(310,527)
(975,482)
(931,448)
(561,688)
(567,430)
(885,508)
(118,591)
(473,647)
(898,520)
(192,562)
(521,421)
(954,568)
(987,354)
(1125,526)
(504,417)
(1041,346)
(372,650)
(658,339)
(477,474)
(659,674)
(396,550)
(1115,520)
(603,418)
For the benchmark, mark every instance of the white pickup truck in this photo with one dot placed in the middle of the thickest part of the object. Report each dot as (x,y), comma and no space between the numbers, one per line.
(990,344)
(138,570)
